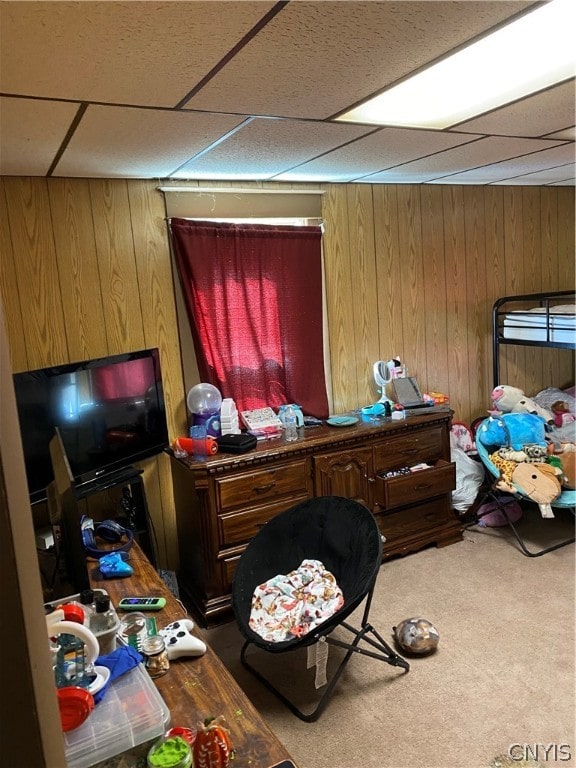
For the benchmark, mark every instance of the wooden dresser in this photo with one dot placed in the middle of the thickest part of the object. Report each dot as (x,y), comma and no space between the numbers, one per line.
(222,502)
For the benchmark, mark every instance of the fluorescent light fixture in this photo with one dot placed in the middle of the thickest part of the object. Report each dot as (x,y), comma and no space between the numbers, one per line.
(531,53)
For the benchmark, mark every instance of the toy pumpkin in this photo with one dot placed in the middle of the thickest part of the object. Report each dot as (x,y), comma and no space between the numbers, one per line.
(212,746)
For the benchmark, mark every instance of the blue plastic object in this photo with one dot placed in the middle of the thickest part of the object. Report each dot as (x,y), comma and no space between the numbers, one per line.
(114,565)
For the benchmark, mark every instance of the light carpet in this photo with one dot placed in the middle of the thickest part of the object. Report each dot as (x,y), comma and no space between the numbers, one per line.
(499,689)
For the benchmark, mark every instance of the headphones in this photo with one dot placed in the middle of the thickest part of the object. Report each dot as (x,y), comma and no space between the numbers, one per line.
(108,530)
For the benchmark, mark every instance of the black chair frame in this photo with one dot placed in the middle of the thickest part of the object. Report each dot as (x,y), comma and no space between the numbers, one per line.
(364,640)
(499,499)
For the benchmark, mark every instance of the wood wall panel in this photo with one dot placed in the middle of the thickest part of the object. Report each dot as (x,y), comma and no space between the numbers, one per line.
(476,299)
(37,271)
(9,289)
(75,244)
(340,312)
(116,259)
(436,303)
(410,271)
(455,255)
(364,294)
(410,281)
(388,273)
(156,292)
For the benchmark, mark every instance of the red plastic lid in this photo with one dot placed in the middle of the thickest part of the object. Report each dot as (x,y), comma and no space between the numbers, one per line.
(73,612)
(186,733)
(75,705)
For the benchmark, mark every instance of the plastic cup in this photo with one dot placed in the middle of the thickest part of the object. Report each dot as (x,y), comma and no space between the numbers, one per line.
(198,435)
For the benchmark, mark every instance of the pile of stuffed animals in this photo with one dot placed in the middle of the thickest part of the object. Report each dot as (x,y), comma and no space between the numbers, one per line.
(518,437)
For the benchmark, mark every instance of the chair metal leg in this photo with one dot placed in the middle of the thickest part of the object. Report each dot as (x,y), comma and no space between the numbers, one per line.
(384,653)
(519,539)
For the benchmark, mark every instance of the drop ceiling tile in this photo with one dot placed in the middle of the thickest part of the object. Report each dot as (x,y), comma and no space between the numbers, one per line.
(537,115)
(317,58)
(32,132)
(564,173)
(476,154)
(568,135)
(146,53)
(265,147)
(386,148)
(513,168)
(113,142)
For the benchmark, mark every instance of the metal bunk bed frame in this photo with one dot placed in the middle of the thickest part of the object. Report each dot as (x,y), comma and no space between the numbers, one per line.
(543,300)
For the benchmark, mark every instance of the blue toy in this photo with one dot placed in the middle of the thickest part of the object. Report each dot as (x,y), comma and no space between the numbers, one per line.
(514,430)
(114,565)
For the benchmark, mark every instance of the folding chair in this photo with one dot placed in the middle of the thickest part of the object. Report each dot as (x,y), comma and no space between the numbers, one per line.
(344,536)
(566,500)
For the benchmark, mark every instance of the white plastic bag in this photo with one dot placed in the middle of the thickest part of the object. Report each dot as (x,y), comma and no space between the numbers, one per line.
(469,477)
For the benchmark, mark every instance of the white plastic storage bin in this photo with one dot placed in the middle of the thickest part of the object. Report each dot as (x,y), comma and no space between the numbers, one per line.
(132,712)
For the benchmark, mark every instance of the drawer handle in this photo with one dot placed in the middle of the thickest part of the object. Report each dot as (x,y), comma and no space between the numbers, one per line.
(422,486)
(263,488)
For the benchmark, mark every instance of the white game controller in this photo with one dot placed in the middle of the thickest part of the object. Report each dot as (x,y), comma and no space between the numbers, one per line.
(179,641)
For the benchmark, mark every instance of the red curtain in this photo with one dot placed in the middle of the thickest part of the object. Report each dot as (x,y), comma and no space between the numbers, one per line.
(254,299)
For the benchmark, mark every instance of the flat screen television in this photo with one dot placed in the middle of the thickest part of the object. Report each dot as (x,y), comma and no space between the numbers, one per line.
(110,413)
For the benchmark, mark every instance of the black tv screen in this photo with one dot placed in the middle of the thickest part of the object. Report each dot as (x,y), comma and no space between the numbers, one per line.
(110,413)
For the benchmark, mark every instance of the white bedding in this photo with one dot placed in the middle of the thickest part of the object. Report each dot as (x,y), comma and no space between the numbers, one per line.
(531,324)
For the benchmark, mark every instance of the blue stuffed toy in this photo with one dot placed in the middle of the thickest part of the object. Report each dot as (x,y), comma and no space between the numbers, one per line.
(514,430)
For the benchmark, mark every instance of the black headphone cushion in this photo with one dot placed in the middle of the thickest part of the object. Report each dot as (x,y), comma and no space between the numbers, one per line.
(110,530)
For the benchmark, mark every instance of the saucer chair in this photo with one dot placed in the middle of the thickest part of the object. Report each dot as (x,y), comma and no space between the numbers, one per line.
(566,500)
(344,536)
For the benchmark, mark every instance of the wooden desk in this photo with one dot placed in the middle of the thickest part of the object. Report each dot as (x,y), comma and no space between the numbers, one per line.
(198,687)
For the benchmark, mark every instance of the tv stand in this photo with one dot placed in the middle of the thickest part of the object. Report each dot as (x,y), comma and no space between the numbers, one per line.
(135,507)
(63,498)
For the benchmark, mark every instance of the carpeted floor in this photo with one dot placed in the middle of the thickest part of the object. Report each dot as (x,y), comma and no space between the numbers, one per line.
(499,689)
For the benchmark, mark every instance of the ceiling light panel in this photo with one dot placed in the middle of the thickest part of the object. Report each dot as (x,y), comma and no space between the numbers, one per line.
(530,54)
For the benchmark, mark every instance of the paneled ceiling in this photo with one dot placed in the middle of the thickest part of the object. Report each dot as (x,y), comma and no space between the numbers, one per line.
(248,91)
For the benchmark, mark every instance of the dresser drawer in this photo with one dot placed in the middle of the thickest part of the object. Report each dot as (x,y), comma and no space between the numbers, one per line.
(262,485)
(420,518)
(406,450)
(241,526)
(391,492)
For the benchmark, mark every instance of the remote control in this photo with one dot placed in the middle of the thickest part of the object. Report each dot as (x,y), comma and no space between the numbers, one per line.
(142,603)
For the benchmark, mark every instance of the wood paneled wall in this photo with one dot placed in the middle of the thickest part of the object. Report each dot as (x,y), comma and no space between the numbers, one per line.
(85,271)
(414,271)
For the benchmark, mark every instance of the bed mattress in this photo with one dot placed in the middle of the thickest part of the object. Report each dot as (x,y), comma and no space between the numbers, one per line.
(559,326)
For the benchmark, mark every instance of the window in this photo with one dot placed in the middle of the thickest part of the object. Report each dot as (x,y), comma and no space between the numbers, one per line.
(253,294)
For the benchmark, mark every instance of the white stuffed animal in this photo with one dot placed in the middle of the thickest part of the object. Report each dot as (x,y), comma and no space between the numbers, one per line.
(508,399)
(504,397)
(527,405)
